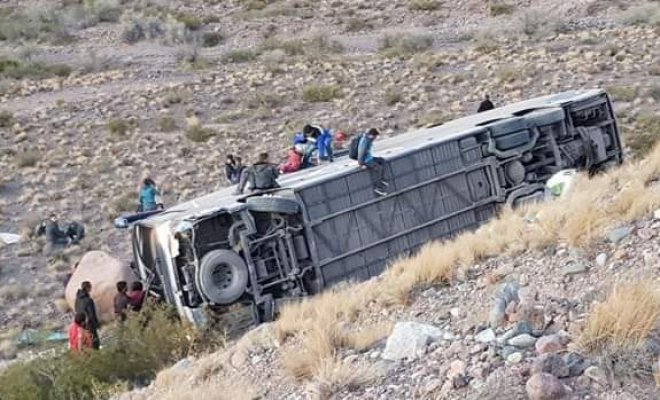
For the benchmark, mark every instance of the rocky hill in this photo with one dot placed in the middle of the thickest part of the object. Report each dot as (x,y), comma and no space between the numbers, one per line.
(97,94)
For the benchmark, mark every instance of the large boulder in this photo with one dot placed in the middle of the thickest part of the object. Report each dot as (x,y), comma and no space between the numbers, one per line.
(103,271)
(409,340)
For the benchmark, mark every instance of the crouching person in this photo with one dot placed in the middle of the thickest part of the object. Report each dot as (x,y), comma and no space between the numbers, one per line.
(262,175)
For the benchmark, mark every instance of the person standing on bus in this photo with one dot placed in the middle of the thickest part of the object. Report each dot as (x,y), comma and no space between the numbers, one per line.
(322,137)
(262,175)
(367,160)
(486,105)
(147,197)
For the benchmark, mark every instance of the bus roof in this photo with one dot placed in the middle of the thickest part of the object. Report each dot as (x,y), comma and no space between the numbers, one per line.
(387,148)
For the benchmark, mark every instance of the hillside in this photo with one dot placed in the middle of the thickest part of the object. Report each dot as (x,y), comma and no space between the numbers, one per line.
(97,94)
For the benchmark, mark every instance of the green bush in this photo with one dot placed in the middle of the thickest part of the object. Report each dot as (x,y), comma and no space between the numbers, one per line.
(167,124)
(256,4)
(405,45)
(240,56)
(118,127)
(133,353)
(25,159)
(14,69)
(357,24)
(199,133)
(6,119)
(644,135)
(322,93)
(424,5)
(35,24)
(393,96)
(124,203)
(212,39)
(190,21)
(622,93)
(502,9)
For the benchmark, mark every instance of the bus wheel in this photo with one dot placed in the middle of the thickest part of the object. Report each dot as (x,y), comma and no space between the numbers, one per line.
(223,276)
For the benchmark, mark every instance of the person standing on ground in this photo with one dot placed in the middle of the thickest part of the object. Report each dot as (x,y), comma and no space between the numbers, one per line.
(262,175)
(148,193)
(486,105)
(79,337)
(121,301)
(136,296)
(85,305)
(367,160)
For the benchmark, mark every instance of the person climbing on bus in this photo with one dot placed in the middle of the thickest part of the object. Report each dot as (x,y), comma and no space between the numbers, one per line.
(262,175)
(361,150)
(486,105)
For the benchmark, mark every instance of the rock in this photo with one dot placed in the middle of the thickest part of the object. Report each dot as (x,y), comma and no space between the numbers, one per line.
(103,271)
(576,363)
(596,374)
(601,259)
(456,374)
(485,336)
(515,358)
(618,234)
(523,341)
(549,344)
(552,364)
(656,214)
(409,340)
(455,312)
(575,268)
(239,358)
(544,386)
(506,293)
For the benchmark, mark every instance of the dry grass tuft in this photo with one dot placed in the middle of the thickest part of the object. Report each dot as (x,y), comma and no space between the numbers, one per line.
(335,375)
(625,319)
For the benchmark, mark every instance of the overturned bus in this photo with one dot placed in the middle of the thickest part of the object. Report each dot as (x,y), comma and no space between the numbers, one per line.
(326,224)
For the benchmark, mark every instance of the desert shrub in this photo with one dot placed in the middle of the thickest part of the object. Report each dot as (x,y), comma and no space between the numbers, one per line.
(357,24)
(622,93)
(424,5)
(118,127)
(133,353)
(265,100)
(127,202)
(647,14)
(199,133)
(654,93)
(298,47)
(14,69)
(6,119)
(537,23)
(501,9)
(28,158)
(136,28)
(167,124)
(212,39)
(255,4)
(644,134)
(393,96)
(405,45)
(35,24)
(240,56)
(190,21)
(321,93)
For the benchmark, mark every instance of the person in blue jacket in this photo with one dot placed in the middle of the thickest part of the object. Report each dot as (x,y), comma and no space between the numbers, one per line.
(147,197)
(322,139)
(375,164)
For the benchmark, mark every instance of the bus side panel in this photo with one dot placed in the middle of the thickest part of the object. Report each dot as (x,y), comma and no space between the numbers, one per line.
(437,191)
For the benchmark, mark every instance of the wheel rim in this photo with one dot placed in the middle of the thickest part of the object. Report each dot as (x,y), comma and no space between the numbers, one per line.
(223,276)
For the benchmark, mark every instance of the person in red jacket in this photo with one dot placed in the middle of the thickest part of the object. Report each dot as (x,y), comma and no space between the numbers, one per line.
(80,338)
(293,162)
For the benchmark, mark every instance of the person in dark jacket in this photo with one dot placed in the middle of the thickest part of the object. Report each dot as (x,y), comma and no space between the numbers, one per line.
(85,304)
(231,172)
(375,164)
(121,301)
(485,105)
(136,296)
(262,175)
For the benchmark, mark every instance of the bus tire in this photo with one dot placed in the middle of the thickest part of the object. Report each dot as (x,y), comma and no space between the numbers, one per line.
(223,276)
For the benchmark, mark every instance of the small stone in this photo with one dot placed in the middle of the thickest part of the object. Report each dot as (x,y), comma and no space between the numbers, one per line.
(485,336)
(515,358)
(552,364)
(601,259)
(596,374)
(523,341)
(576,363)
(456,368)
(549,344)
(455,312)
(544,386)
(575,268)
(432,386)
(656,214)
(238,359)
(459,381)
(506,351)
(618,234)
